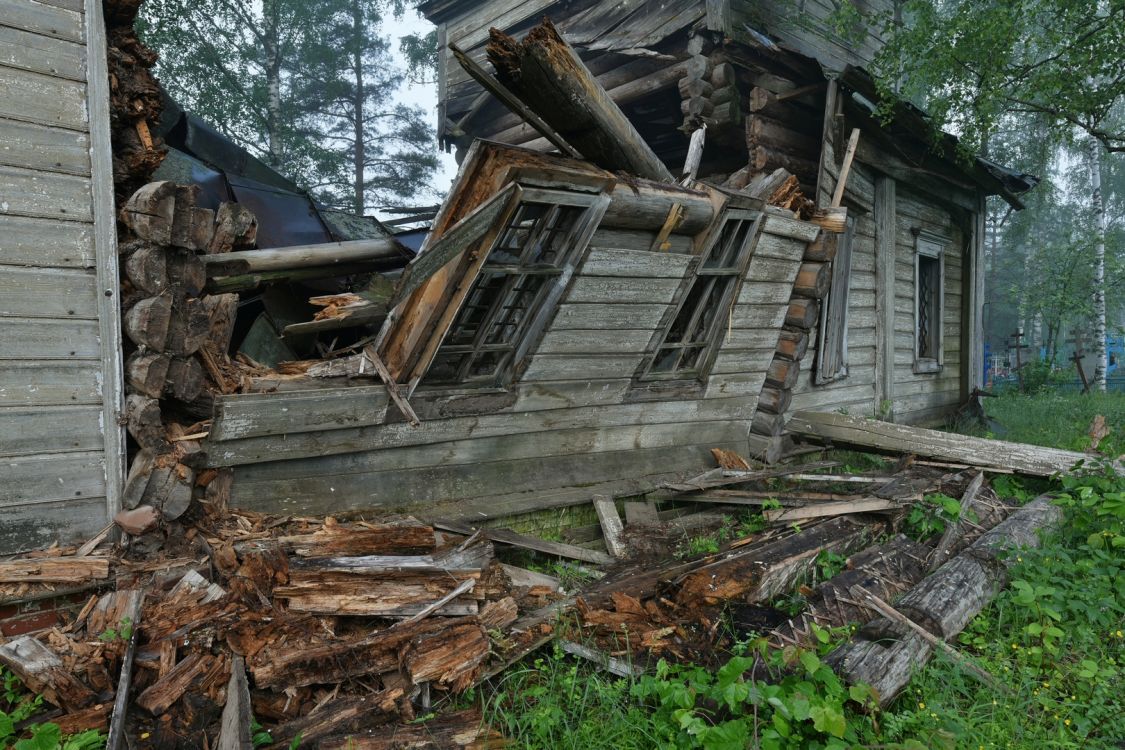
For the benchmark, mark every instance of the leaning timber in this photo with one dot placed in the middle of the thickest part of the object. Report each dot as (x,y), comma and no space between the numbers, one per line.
(546,73)
(885,436)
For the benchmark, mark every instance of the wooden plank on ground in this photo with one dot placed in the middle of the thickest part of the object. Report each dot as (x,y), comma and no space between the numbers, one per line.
(839,508)
(515,539)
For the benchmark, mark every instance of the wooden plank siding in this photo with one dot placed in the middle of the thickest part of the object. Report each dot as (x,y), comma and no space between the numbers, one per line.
(59,376)
(875,356)
(576,417)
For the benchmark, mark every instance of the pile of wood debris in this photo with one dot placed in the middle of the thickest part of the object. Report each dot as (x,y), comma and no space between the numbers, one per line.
(338,633)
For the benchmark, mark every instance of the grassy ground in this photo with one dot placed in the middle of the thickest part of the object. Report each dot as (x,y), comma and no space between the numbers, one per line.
(1054,638)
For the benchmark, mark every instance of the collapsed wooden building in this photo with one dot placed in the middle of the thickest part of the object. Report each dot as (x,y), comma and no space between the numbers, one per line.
(575,325)
(679,235)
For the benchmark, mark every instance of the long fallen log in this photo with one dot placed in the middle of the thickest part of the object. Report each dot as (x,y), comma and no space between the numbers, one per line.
(303,256)
(962,449)
(884,655)
(549,77)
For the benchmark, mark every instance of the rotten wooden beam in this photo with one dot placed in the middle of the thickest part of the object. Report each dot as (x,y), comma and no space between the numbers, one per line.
(547,75)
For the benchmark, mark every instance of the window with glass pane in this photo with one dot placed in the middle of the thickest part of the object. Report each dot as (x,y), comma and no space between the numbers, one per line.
(529,256)
(686,345)
(928,305)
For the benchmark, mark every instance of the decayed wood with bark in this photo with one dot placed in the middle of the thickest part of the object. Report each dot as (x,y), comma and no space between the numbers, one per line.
(547,75)
(450,656)
(886,569)
(960,449)
(190,671)
(384,593)
(55,570)
(299,664)
(42,671)
(334,540)
(458,730)
(763,572)
(802,313)
(350,713)
(884,655)
(235,226)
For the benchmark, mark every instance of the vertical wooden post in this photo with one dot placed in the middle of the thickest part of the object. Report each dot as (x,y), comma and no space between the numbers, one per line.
(105,255)
(885,252)
(975,354)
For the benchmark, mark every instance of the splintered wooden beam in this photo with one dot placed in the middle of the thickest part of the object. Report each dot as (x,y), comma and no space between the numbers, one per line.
(55,570)
(953,530)
(845,170)
(547,75)
(511,101)
(393,389)
(943,446)
(235,732)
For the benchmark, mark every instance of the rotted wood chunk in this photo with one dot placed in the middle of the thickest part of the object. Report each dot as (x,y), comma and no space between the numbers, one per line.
(235,227)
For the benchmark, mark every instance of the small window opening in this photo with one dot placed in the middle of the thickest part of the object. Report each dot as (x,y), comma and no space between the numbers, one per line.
(928,292)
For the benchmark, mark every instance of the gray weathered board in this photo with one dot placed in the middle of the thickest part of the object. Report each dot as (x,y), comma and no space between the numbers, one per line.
(61,450)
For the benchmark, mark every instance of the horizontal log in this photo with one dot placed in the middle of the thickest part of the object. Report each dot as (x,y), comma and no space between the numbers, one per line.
(831,219)
(792,344)
(813,280)
(774,400)
(303,256)
(783,373)
(768,425)
(802,313)
(960,449)
(823,248)
(247,282)
(641,204)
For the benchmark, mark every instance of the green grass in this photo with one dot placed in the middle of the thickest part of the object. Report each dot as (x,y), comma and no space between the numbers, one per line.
(1057,420)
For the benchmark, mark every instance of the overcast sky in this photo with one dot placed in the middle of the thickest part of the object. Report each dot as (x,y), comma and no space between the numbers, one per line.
(422,95)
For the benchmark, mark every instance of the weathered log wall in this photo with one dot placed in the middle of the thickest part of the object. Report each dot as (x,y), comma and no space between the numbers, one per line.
(61,449)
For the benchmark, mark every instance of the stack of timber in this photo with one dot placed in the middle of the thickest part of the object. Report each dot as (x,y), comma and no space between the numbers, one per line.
(180,337)
(319,630)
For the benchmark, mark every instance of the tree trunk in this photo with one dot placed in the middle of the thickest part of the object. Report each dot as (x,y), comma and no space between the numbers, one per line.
(1097,204)
(271,12)
(358,103)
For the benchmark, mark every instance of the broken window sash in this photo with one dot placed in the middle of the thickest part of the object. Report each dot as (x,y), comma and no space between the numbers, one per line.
(686,347)
(929,302)
(516,288)
(832,343)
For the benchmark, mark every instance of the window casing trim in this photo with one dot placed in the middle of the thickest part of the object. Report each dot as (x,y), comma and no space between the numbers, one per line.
(929,247)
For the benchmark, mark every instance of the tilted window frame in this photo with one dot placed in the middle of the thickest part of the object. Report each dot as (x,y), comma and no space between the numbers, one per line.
(646,376)
(542,308)
(932,247)
(835,310)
